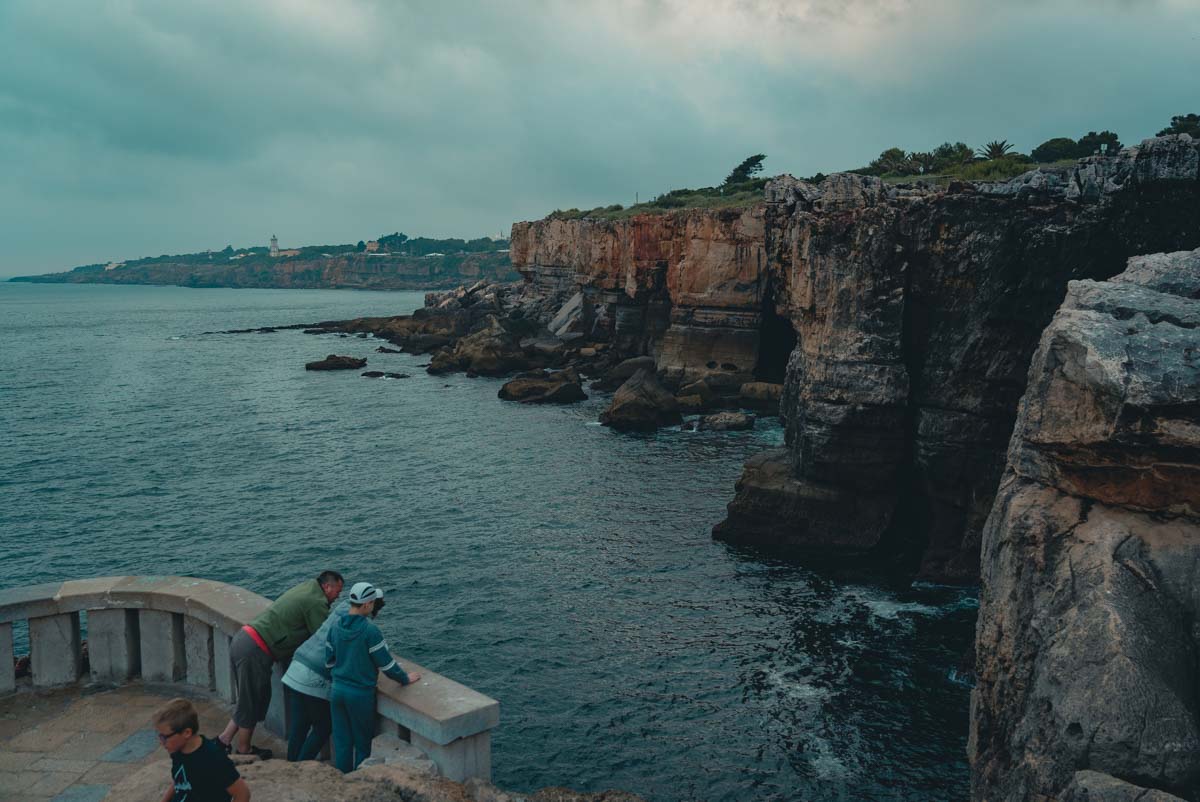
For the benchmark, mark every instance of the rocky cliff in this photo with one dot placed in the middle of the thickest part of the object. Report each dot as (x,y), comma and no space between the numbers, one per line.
(688,287)
(349,271)
(903,317)
(1088,643)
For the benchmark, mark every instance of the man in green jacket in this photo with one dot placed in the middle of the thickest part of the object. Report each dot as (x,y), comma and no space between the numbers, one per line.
(272,636)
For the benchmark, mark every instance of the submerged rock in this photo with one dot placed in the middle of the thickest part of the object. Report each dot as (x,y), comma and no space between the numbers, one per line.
(544,387)
(622,371)
(335,362)
(726,422)
(641,404)
(1087,649)
(492,350)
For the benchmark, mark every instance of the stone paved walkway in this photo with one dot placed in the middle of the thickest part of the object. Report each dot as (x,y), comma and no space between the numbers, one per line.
(72,745)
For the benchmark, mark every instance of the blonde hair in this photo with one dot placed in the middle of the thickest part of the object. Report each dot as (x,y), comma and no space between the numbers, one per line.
(179,715)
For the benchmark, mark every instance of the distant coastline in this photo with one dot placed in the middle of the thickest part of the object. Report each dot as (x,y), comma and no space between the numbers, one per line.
(366,271)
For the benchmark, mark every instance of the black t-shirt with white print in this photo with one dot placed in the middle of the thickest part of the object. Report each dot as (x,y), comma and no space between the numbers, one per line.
(203,775)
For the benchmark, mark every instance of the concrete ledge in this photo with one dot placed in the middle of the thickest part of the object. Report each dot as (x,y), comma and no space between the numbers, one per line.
(437,707)
(174,628)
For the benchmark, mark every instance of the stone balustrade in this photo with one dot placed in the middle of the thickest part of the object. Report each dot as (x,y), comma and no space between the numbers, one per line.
(176,630)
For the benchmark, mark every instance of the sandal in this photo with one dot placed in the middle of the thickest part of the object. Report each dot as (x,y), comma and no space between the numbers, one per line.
(262,754)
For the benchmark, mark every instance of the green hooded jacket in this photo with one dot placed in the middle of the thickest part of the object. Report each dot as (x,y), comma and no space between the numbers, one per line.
(292,619)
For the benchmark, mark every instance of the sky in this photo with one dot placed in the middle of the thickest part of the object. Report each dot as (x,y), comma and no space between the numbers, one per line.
(131,128)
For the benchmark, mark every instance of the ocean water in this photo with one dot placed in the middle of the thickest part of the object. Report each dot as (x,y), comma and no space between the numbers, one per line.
(560,567)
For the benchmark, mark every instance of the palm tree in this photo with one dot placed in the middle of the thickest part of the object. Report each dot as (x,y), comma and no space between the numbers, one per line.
(923,161)
(995,149)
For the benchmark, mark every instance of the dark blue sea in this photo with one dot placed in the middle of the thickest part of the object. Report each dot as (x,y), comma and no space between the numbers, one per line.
(560,567)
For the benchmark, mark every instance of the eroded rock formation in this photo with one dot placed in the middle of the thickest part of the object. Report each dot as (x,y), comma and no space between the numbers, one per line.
(900,321)
(916,313)
(1088,646)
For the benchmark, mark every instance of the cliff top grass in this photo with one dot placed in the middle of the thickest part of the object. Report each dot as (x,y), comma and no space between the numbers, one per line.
(735,196)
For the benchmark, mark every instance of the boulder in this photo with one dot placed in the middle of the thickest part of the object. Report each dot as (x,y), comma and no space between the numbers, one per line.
(443,362)
(726,422)
(544,387)
(761,395)
(384,350)
(490,351)
(544,346)
(373,374)
(335,362)
(690,403)
(698,388)
(571,317)
(1092,786)
(389,750)
(1086,643)
(619,373)
(641,404)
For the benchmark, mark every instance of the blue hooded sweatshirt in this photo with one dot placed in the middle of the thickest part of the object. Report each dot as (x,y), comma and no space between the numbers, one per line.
(312,652)
(356,653)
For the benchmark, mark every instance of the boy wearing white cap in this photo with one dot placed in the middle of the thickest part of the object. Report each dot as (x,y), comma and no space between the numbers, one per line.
(356,652)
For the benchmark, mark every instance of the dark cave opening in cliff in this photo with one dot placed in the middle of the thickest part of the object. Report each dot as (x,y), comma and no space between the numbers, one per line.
(776,339)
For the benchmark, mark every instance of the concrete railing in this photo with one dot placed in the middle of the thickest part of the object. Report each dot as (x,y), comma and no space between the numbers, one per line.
(171,629)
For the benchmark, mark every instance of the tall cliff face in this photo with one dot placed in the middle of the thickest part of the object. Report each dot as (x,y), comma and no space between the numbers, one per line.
(687,287)
(916,316)
(913,314)
(1088,643)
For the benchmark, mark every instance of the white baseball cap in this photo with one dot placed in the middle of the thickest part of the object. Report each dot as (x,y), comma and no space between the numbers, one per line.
(364,592)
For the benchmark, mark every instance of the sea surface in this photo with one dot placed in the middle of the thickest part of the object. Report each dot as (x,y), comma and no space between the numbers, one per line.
(555,565)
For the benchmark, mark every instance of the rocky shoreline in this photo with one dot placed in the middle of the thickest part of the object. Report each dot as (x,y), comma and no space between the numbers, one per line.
(891,325)
(917,346)
(550,343)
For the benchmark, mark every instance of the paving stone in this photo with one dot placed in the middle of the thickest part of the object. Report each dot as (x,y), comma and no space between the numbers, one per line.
(52,782)
(12,783)
(87,745)
(83,793)
(63,766)
(133,748)
(44,738)
(104,774)
(14,761)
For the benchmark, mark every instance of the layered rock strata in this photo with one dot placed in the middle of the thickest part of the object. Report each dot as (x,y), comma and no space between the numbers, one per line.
(900,320)
(1088,647)
(687,288)
(916,312)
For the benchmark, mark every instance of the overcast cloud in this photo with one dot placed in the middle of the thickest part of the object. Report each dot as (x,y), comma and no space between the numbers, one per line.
(133,128)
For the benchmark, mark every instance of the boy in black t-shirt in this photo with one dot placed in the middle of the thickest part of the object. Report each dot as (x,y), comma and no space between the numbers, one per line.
(200,769)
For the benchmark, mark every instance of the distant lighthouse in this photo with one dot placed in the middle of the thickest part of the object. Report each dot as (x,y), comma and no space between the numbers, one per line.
(274,247)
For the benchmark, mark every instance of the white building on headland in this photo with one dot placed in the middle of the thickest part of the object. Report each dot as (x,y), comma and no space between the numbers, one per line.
(274,247)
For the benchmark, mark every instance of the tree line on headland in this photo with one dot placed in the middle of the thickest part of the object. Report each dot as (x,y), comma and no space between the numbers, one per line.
(995,161)
(395,244)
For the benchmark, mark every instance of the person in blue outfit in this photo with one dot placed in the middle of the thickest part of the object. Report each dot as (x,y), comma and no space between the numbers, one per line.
(355,653)
(308,682)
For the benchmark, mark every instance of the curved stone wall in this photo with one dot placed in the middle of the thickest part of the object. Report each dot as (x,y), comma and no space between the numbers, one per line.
(172,629)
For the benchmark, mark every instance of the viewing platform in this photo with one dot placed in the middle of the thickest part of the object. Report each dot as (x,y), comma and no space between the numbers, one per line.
(149,637)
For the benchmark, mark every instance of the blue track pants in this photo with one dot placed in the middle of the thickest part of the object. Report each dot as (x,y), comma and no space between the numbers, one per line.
(353,711)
